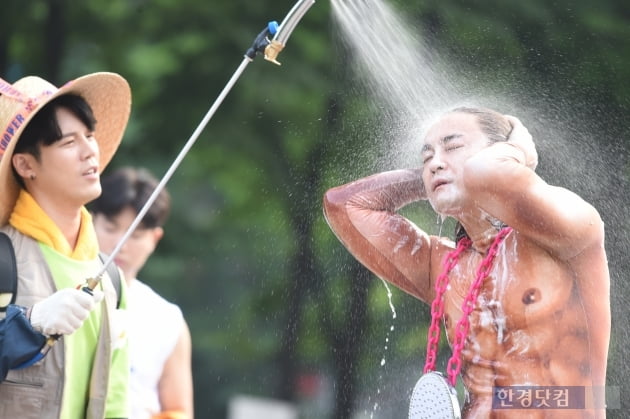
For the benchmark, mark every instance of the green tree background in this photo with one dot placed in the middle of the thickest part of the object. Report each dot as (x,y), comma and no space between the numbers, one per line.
(276,306)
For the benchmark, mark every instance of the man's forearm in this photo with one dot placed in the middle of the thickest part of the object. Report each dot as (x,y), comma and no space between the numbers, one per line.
(387,191)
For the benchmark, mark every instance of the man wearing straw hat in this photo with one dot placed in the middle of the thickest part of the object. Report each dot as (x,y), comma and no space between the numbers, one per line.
(54,143)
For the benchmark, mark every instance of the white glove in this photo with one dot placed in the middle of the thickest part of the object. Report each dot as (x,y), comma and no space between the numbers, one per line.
(63,312)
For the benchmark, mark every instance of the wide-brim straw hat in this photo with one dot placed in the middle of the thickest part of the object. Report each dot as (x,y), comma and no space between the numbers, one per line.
(108,94)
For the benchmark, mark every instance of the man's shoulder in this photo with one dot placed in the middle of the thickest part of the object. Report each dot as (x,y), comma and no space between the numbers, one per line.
(13,233)
(145,294)
(9,230)
(21,242)
(146,303)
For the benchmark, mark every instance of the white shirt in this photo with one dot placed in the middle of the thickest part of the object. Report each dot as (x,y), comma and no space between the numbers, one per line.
(154,328)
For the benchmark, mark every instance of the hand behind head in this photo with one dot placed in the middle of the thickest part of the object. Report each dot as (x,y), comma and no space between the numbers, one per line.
(521,138)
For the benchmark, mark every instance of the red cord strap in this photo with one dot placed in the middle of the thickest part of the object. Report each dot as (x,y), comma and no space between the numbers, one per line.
(437,306)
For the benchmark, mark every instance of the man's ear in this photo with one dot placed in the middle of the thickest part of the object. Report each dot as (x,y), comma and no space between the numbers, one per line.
(158,233)
(23,165)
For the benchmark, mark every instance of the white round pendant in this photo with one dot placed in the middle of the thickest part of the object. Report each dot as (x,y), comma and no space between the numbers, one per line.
(434,398)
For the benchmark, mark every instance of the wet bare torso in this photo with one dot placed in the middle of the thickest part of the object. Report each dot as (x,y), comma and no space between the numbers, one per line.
(527,333)
(543,315)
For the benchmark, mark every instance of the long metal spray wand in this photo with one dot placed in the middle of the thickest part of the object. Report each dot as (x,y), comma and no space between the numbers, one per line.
(91,283)
(261,43)
(271,50)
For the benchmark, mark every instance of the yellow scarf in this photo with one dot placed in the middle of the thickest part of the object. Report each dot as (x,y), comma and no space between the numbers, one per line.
(29,219)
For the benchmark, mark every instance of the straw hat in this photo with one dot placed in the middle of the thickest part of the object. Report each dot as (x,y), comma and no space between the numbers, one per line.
(108,95)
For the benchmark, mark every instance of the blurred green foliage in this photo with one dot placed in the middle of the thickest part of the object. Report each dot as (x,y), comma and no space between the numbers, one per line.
(269,292)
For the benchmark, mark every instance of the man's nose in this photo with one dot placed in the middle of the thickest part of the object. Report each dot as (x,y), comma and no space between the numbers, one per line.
(90,148)
(436,163)
(124,246)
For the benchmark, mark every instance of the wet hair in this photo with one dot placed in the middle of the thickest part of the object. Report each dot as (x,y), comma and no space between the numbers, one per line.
(496,127)
(493,124)
(132,187)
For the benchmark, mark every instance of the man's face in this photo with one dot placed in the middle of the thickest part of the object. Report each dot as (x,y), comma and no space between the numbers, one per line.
(138,247)
(67,171)
(448,144)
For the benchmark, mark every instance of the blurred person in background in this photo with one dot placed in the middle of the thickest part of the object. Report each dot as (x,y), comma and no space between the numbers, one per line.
(159,337)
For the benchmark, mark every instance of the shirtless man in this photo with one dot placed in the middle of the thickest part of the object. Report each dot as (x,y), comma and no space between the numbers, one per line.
(542,316)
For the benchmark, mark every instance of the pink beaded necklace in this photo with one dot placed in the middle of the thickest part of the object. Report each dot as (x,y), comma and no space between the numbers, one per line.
(437,307)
